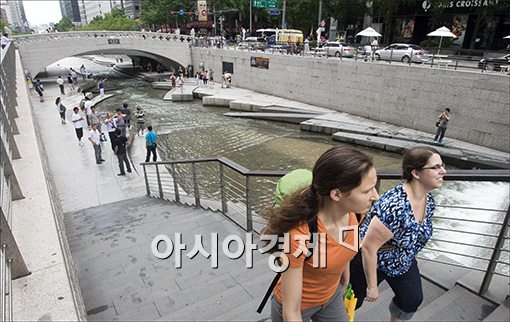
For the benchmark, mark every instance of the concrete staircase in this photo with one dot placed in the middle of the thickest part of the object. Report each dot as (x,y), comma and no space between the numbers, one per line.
(122,280)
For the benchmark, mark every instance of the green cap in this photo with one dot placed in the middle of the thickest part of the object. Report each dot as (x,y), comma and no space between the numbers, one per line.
(290,183)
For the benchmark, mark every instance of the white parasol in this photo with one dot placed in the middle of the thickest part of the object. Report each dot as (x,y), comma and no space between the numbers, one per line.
(369,32)
(441,32)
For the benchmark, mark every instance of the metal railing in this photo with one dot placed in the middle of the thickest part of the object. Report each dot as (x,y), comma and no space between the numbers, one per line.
(241,194)
(76,35)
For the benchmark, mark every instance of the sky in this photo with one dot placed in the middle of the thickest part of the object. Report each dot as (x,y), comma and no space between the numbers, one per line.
(41,11)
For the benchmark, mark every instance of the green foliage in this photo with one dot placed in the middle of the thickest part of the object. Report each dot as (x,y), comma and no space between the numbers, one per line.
(65,24)
(157,12)
(3,24)
(115,20)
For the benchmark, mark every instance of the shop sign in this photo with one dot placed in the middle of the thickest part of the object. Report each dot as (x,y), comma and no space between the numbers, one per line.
(463,4)
(259,62)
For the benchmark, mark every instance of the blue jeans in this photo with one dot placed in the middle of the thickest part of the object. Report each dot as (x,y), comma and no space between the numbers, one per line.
(440,134)
(407,288)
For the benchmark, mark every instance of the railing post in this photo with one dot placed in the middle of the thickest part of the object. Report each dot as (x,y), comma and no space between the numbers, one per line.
(8,291)
(146,181)
(3,280)
(195,186)
(224,208)
(160,188)
(495,255)
(176,187)
(249,222)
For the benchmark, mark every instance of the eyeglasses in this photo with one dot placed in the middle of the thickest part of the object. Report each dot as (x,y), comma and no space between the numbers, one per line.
(436,167)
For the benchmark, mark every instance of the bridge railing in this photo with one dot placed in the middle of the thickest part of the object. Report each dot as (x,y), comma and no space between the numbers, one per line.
(242,195)
(77,35)
(12,265)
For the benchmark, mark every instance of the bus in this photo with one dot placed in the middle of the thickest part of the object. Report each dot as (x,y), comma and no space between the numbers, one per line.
(280,36)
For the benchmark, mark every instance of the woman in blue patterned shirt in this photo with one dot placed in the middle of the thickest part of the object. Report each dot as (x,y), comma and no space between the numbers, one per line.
(396,229)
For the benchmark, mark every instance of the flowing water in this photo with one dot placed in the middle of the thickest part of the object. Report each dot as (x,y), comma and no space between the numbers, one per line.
(188,130)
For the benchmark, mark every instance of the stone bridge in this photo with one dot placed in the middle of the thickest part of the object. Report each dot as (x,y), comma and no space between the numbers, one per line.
(39,51)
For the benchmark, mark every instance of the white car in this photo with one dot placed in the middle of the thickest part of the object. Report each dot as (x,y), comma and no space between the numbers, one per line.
(337,49)
(403,53)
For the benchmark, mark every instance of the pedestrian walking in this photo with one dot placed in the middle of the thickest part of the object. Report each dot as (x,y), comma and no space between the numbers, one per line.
(60,83)
(95,119)
(95,139)
(39,89)
(140,121)
(442,124)
(396,229)
(121,143)
(88,109)
(74,76)
(120,121)
(61,110)
(180,82)
(83,72)
(5,40)
(111,127)
(173,80)
(78,124)
(71,83)
(211,76)
(151,144)
(127,114)
(101,87)
(343,184)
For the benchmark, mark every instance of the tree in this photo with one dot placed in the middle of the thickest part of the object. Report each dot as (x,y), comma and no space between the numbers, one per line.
(65,24)
(114,20)
(3,24)
(158,13)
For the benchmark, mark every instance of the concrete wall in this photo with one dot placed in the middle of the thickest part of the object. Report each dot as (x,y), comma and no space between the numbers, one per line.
(408,96)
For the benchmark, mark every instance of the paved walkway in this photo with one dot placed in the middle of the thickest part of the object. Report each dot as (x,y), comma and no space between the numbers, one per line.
(81,183)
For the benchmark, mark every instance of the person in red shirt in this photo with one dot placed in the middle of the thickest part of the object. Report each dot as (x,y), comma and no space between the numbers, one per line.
(343,184)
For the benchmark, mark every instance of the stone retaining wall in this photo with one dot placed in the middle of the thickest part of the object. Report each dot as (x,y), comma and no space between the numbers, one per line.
(408,96)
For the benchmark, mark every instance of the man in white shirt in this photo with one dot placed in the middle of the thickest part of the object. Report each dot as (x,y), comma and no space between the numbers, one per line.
(78,124)
(95,139)
(88,109)
(5,40)
(60,83)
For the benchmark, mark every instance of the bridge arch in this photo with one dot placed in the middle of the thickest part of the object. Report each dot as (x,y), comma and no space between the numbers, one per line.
(39,51)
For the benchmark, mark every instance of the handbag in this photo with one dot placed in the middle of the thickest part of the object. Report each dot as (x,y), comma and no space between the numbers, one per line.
(437,124)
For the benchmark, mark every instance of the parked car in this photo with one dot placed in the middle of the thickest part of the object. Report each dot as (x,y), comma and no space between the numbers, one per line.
(337,49)
(494,63)
(253,43)
(403,53)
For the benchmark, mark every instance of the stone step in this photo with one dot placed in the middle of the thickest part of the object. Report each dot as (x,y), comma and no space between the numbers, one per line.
(457,304)
(211,307)
(501,313)
(371,312)
(295,118)
(247,312)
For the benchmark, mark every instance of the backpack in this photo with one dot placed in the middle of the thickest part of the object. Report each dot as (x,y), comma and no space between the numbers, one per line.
(288,184)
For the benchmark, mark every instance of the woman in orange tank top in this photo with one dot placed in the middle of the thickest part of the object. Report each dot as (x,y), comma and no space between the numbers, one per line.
(344,183)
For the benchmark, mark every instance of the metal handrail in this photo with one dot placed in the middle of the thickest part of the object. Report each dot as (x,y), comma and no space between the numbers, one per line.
(229,187)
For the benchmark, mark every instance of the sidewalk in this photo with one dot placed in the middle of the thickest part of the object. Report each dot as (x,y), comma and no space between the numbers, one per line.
(81,183)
